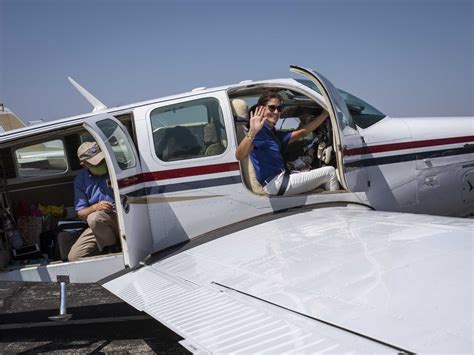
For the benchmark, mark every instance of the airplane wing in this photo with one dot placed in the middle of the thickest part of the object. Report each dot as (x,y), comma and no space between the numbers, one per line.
(335,279)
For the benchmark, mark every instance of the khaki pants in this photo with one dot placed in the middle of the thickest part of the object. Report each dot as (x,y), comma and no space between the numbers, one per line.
(102,232)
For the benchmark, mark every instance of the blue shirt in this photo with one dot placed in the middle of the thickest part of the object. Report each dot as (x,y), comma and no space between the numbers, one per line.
(266,156)
(90,189)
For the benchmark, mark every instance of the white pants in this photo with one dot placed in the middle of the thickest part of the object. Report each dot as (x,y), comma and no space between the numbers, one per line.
(300,182)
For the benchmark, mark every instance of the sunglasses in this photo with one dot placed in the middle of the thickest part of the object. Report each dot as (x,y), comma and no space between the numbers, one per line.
(278,108)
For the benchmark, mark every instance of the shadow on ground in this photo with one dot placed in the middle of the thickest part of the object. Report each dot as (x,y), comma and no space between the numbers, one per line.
(100,323)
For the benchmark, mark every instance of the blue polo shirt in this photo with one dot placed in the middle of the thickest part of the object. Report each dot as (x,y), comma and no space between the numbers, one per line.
(90,189)
(265,156)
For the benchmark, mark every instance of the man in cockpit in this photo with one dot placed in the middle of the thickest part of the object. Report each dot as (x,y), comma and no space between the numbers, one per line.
(94,202)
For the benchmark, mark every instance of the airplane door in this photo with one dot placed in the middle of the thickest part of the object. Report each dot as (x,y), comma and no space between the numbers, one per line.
(348,142)
(124,171)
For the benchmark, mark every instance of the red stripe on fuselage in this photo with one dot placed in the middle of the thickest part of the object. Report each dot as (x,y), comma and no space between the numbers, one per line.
(178,173)
(220,168)
(407,145)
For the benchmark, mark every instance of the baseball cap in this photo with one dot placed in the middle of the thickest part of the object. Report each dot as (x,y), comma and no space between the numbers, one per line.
(90,153)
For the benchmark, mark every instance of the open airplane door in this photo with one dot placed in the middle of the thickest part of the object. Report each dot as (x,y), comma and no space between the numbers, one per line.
(124,170)
(348,142)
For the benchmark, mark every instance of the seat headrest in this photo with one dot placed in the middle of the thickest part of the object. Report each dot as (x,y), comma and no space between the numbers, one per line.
(210,134)
(240,109)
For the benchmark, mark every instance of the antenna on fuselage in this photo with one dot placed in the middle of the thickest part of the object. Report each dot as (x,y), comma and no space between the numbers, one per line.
(94,101)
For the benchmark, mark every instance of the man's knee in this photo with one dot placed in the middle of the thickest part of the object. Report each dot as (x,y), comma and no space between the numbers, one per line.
(97,217)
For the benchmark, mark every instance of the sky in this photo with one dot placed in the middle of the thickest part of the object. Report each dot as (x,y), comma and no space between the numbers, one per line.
(405,57)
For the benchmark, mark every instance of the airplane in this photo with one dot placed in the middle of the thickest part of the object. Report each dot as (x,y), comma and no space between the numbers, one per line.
(30,155)
(8,120)
(383,265)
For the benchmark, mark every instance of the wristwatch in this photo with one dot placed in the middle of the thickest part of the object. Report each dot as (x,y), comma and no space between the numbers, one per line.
(249,136)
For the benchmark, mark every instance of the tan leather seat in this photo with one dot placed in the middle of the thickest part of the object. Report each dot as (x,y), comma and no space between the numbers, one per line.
(248,171)
(211,140)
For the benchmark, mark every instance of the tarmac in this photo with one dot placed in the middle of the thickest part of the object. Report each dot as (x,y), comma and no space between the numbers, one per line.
(100,323)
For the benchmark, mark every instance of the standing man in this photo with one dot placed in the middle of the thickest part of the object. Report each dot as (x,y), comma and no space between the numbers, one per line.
(94,203)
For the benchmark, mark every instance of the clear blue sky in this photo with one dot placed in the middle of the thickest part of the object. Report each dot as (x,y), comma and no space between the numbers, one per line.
(406,57)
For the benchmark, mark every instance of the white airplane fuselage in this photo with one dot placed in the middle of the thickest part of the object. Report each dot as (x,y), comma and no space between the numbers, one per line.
(421,165)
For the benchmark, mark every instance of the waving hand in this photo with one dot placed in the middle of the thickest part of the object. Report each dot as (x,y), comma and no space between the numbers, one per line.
(257,120)
(256,123)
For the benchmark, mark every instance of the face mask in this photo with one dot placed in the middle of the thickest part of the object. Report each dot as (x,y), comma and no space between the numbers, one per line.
(99,170)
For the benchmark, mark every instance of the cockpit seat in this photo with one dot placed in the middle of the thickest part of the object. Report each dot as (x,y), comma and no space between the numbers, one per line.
(241,118)
(248,171)
(212,143)
(176,143)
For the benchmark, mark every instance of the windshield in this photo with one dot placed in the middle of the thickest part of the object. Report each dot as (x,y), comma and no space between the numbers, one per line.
(363,114)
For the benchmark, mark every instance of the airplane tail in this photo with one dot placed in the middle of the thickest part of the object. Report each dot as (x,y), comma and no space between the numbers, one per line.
(96,104)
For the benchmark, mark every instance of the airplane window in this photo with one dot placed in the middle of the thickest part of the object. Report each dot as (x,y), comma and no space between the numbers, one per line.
(363,114)
(42,159)
(118,141)
(188,130)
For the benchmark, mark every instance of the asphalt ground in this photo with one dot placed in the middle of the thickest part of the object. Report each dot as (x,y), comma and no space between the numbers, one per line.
(100,323)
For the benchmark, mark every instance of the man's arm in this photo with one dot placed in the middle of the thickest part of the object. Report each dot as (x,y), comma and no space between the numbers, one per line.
(103,206)
(81,201)
(309,127)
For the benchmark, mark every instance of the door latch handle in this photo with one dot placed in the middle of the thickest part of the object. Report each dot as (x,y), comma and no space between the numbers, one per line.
(125,203)
(130,180)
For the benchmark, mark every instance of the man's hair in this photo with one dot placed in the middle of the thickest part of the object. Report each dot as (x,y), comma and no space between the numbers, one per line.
(267,96)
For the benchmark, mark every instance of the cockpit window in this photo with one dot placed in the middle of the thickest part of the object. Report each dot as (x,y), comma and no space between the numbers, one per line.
(363,114)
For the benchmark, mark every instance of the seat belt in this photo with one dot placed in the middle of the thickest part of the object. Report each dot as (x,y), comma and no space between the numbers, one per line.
(284,183)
